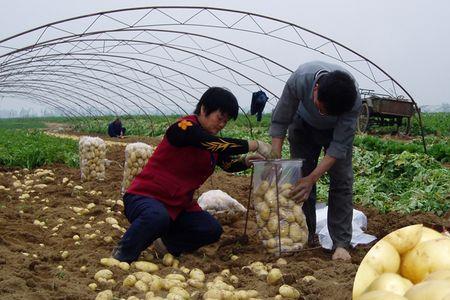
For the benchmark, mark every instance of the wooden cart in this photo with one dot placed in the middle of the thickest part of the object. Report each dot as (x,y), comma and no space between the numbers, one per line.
(383,110)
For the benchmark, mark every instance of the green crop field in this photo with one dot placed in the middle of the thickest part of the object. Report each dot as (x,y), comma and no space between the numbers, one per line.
(390,174)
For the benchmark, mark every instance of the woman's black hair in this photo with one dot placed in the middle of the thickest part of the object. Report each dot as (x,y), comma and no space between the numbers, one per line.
(217,98)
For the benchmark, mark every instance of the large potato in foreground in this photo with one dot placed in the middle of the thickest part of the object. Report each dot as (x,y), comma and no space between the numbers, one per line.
(383,258)
(429,290)
(439,275)
(406,238)
(364,277)
(390,282)
(426,258)
(429,234)
(381,295)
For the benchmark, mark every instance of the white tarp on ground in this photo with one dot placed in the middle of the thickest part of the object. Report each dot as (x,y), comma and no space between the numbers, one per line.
(359,224)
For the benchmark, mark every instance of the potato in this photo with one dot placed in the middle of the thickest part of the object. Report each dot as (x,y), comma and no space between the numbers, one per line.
(263,211)
(364,277)
(124,265)
(426,258)
(298,214)
(289,292)
(274,276)
(262,188)
(168,259)
(180,292)
(406,238)
(156,285)
(195,283)
(197,274)
(383,257)
(429,234)
(177,277)
(439,275)
(296,233)
(136,157)
(429,290)
(92,151)
(141,286)
(234,279)
(390,282)
(105,295)
(104,274)
(109,262)
(213,294)
(146,266)
(271,198)
(129,281)
(381,295)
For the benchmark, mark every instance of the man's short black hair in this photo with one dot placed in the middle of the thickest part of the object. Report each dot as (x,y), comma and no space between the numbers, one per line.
(337,92)
(217,98)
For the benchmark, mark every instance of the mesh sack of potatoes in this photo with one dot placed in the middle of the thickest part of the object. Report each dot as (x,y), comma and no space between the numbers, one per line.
(280,220)
(92,152)
(136,157)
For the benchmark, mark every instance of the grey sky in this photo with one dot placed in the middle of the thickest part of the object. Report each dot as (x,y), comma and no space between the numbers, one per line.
(407,38)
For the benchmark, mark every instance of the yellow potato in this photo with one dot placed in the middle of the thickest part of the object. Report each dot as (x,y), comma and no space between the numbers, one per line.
(109,262)
(146,266)
(129,281)
(383,257)
(429,290)
(406,238)
(274,276)
(390,282)
(426,258)
(105,295)
(263,211)
(381,295)
(197,274)
(429,234)
(439,275)
(364,277)
(261,189)
(289,292)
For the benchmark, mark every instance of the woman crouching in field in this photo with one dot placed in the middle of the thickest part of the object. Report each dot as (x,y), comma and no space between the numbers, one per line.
(159,202)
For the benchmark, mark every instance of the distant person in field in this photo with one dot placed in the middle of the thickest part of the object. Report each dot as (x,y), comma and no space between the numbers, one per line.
(318,108)
(159,203)
(115,129)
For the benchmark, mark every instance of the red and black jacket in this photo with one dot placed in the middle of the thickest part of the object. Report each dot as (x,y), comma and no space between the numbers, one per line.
(183,161)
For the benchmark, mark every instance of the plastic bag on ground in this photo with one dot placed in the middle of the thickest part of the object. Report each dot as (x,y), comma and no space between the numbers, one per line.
(359,224)
(217,200)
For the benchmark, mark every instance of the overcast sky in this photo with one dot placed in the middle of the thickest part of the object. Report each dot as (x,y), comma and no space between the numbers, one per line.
(407,38)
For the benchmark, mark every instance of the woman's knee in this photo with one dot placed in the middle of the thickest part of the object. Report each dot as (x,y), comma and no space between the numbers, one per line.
(212,231)
(155,218)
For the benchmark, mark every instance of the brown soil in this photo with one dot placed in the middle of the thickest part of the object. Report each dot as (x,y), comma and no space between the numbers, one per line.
(36,276)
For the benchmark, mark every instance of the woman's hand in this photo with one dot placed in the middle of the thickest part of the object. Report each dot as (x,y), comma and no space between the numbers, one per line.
(250,158)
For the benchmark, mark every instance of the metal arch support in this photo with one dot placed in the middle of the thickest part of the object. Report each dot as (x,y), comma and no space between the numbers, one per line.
(43,99)
(70,58)
(206,58)
(112,14)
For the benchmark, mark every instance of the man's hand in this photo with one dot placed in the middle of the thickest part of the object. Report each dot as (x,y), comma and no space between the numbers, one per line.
(302,189)
(251,157)
(277,145)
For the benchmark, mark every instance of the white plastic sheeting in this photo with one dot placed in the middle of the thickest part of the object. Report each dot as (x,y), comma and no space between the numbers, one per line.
(359,224)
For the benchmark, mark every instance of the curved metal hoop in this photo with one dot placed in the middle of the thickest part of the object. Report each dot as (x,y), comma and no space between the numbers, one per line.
(221,42)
